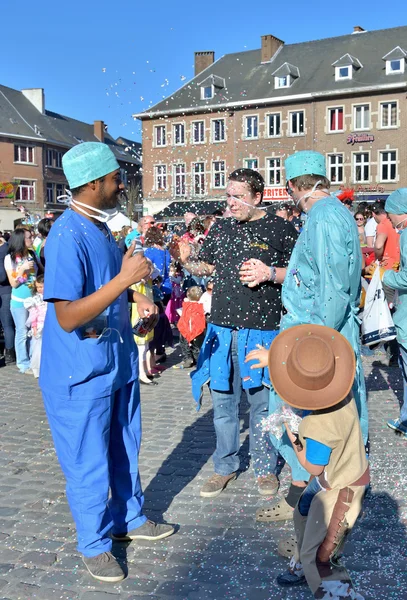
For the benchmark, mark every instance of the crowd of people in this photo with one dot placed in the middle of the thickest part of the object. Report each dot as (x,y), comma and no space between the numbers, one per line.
(265,301)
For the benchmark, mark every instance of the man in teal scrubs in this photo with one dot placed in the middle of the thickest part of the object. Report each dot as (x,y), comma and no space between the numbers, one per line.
(322,286)
(89,363)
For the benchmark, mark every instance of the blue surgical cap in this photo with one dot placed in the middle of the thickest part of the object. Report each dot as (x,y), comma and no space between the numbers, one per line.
(396,203)
(88,161)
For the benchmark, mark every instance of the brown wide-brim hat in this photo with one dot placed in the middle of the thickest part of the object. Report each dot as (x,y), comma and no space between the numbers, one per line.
(311,366)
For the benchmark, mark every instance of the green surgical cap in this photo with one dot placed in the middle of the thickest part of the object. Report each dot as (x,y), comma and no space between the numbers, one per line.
(87,162)
(306,162)
(396,203)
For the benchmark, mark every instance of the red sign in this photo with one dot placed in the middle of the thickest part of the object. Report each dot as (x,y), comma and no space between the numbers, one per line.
(358,138)
(275,193)
(49,215)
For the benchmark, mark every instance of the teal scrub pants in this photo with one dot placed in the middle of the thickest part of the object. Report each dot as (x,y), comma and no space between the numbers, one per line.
(97,442)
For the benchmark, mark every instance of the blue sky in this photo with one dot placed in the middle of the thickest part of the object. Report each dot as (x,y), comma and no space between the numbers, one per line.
(99,59)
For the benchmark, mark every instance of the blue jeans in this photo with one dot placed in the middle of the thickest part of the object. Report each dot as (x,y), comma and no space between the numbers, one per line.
(20,316)
(7,320)
(307,497)
(227,426)
(403,367)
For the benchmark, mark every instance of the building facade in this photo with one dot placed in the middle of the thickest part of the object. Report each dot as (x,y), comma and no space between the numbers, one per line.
(344,97)
(33,141)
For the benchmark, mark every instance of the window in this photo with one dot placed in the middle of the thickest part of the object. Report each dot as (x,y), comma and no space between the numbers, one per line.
(335,168)
(50,193)
(218,130)
(50,158)
(388,114)
(58,159)
(251,163)
(297,122)
(60,190)
(179,177)
(388,166)
(160,135)
(251,127)
(361,167)
(24,154)
(178,134)
(335,119)
(395,66)
(207,92)
(273,171)
(219,174)
(160,177)
(361,117)
(282,82)
(198,174)
(26,191)
(274,125)
(343,73)
(198,132)
(123,176)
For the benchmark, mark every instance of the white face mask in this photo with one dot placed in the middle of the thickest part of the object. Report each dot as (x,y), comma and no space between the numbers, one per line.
(308,194)
(103,216)
(399,229)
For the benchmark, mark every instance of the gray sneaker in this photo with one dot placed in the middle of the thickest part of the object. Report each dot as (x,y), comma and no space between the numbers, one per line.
(148,531)
(215,485)
(104,567)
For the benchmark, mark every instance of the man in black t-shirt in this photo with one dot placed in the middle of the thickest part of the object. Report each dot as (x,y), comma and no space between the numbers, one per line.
(247,255)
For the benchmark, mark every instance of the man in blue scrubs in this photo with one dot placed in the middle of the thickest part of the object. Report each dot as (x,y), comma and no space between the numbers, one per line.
(89,364)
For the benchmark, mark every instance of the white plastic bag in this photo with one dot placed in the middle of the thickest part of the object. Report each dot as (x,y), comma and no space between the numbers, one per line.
(377,323)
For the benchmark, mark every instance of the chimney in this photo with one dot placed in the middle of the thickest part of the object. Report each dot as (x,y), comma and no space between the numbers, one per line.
(36,97)
(358,29)
(203,60)
(269,46)
(99,129)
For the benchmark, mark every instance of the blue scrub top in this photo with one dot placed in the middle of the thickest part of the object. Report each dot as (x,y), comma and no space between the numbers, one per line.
(81,259)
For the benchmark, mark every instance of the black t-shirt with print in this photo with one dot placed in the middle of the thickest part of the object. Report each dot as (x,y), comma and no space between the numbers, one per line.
(228,245)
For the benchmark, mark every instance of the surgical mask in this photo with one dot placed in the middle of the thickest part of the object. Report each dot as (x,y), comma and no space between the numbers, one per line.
(399,229)
(307,195)
(103,216)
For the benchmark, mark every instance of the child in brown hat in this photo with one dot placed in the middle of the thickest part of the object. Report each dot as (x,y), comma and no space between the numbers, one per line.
(312,368)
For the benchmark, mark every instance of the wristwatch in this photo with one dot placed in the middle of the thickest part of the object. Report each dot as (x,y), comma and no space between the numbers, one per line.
(273,274)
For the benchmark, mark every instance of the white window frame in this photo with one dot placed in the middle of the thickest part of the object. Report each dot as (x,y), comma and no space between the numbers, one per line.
(58,159)
(389,163)
(250,160)
(268,119)
(213,130)
(28,149)
(160,173)
(222,174)
(354,111)
(31,186)
(156,141)
(199,175)
(290,122)
(389,102)
(183,181)
(174,135)
(57,194)
(50,188)
(246,126)
(339,77)
(390,71)
(336,166)
(282,82)
(49,158)
(277,169)
(205,87)
(335,108)
(193,126)
(355,165)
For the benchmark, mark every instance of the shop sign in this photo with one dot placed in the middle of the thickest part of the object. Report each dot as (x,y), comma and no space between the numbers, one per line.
(275,193)
(359,138)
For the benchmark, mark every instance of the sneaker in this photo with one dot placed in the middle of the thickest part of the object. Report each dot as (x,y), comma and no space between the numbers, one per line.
(268,485)
(10,357)
(288,579)
(104,567)
(397,426)
(215,485)
(279,511)
(28,372)
(148,531)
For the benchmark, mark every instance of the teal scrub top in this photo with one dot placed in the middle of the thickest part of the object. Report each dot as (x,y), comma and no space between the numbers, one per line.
(398,281)
(99,358)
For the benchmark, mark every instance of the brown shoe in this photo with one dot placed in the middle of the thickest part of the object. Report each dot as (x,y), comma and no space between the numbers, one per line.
(215,485)
(279,511)
(268,485)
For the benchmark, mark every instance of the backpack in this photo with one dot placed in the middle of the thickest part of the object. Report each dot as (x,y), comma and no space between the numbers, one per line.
(192,322)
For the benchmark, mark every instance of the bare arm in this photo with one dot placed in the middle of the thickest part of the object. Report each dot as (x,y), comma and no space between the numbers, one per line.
(198,267)
(25,266)
(370,241)
(379,245)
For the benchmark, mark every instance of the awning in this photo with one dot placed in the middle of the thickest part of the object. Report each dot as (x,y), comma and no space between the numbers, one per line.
(199,207)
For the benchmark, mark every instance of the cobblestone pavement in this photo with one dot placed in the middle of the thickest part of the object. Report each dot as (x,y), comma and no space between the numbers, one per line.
(219,551)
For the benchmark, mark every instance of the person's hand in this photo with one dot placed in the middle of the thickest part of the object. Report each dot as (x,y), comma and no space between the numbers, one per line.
(180,250)
(253,272)
(147,310)
(134,268)
(261,355)
(26,265)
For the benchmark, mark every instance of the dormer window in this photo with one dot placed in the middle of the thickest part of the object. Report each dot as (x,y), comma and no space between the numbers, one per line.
(285,76)
(395,61)
(210,86)
(207,92)
(345,66)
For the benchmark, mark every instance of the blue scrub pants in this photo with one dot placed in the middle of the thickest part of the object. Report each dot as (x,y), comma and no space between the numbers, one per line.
(97,442)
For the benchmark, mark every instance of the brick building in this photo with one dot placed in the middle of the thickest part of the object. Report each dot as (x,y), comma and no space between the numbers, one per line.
(342,96)
(32,143)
